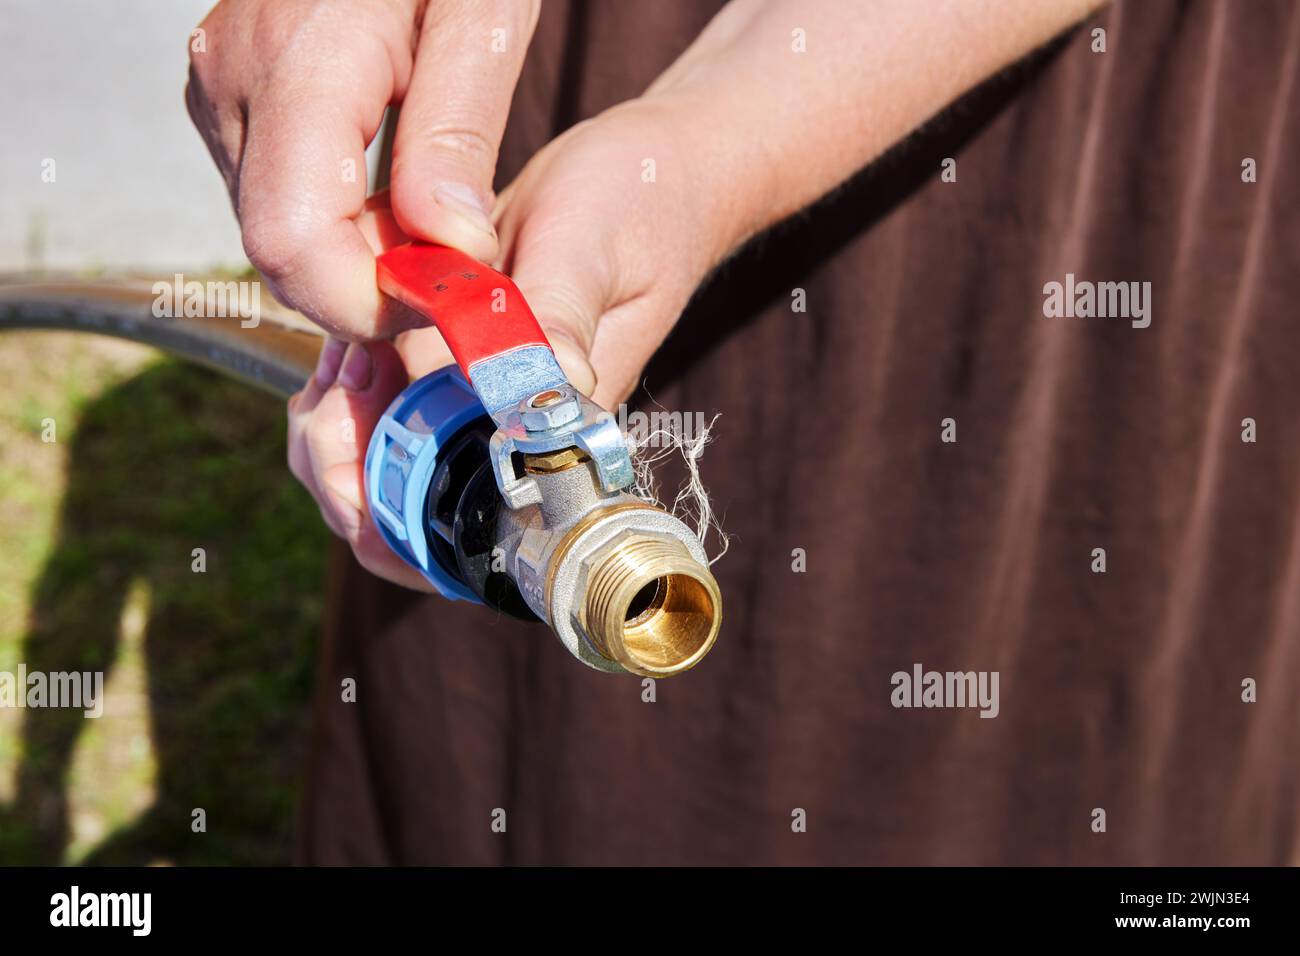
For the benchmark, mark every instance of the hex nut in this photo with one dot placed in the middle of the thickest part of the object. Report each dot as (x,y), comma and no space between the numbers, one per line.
(553,414)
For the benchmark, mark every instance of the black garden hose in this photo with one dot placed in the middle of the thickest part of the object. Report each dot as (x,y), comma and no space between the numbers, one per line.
(277,354)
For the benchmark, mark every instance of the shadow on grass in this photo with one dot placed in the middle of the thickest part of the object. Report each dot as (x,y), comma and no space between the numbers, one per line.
(172,460)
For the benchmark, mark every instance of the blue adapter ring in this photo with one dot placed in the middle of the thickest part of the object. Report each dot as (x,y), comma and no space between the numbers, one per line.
(400,463)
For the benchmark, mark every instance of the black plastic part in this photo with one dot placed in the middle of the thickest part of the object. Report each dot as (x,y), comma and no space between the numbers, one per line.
(474,536)
(462,516)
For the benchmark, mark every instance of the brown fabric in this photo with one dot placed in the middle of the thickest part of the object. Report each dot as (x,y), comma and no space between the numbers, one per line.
(1119,691)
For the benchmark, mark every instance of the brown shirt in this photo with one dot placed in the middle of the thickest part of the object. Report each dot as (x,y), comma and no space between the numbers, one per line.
(1121,691)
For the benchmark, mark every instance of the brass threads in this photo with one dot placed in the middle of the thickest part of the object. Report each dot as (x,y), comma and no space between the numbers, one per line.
(651,606)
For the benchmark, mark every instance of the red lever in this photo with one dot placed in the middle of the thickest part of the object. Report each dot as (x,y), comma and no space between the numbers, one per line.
(478,310)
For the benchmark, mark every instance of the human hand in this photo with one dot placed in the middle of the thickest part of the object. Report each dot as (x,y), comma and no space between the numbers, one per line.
(611,227)
(287,95)
(605,259)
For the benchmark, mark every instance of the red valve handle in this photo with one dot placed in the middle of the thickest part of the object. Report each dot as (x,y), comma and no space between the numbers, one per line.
(479,311)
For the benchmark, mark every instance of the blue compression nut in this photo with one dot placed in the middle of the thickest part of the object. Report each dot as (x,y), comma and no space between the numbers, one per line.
(400,465)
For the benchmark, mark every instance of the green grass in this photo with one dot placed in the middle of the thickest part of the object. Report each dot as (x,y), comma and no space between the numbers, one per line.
(209,674)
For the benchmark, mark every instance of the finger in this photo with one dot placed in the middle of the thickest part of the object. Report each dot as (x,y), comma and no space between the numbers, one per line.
(302,185)
(337,436)
(468,60)
(300,409)
(564,285)
(423,351)
(219,76)
(626,338)
(368,546)
(379,226)
(422,348)
(296,210)
(222,131)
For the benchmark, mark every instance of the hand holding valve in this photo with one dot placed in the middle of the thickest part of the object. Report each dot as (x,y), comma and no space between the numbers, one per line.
(535,517)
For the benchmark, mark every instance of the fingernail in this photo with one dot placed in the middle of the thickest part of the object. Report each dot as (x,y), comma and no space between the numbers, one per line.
(466,203)
(355,374)
(331,357)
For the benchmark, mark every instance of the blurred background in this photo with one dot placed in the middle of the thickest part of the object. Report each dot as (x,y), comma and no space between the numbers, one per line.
(102,176)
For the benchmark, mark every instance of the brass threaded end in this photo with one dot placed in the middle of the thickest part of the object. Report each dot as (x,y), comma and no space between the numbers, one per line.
(652,607)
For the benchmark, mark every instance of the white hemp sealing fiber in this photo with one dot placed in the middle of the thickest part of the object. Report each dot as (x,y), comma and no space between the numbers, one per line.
(692,504)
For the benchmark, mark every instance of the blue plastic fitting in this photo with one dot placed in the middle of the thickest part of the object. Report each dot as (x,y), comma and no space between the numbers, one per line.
(400,464)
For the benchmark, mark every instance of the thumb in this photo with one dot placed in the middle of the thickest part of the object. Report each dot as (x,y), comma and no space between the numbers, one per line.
(568,304)
(468,59)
